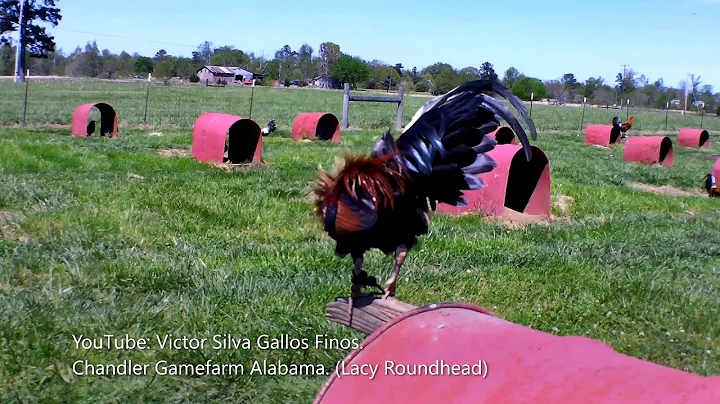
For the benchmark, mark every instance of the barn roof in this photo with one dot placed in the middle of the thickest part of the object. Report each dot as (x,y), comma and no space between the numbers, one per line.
(219,69)
(242,72)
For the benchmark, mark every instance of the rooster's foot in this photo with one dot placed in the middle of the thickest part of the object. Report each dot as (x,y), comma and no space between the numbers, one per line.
(359,281)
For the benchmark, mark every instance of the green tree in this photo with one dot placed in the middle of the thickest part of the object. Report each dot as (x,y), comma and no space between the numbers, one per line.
(591,85)
(143,65)
(286,59)
(329,54)
(160,55)
(183,67)
(415,75)
(487,72)
(36,41)
(468,74)
(90,64)
(110,63)
(625,83)
(228,56)
(445,81)
(163,69)
(569,85)
(349,69)
(388,76)
(126,64)
(7,60)
(527,86)
(435,69)
(305,64)
(203,54)
(512,75)
(422,86)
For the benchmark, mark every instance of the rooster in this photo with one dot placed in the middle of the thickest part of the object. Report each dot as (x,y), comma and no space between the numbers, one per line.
(710,186)
(91,128)
(269,128)
(624,126)
(382,200)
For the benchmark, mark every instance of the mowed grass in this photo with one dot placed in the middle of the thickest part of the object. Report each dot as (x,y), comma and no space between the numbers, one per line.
(177,107)
(104,236)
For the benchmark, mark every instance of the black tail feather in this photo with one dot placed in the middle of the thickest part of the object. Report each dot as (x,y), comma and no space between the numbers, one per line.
(444,146)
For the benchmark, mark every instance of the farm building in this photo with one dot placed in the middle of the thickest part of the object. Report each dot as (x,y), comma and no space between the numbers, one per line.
(213,74)
(228,74)
(325,82)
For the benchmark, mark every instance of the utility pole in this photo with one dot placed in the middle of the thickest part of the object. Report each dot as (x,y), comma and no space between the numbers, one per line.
(622,86)
(687,91)
(20,52)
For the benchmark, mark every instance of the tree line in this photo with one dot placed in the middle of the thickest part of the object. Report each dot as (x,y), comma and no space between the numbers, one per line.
(300,66)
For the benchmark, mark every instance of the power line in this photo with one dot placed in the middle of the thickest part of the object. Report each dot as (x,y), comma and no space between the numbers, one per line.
(126,37)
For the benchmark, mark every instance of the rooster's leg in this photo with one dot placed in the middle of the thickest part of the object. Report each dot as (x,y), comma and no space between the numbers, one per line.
(400,253)
(360,278)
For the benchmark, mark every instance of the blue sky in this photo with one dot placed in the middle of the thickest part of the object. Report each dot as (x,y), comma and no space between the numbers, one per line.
(544,39)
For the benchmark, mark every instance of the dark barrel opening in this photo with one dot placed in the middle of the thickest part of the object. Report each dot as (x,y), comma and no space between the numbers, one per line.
(242,140)
(665,147)
(704,137)
(326,127)
(107,120)
(504,135)
(523,178)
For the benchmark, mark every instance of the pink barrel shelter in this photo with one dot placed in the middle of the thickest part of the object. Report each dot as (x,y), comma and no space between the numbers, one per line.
(213,130)
(108,120)
(461,353)
(695,138)
(515,184)
(316,125)
(602,135)
(649,150)
(716,169)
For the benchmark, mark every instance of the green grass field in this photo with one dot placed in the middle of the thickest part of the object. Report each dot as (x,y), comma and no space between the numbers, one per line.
(104,236)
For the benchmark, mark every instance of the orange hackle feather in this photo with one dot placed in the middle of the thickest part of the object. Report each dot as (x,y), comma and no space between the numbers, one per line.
(373,174)
(627,125)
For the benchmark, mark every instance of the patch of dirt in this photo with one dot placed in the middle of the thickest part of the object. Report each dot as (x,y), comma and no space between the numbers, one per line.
(8,124)
(173,152)
(242,167)
(515,220)
(135,176)
(10,230)
(156,134)
(564,203)
(58,126)
(663,190)
(153,126)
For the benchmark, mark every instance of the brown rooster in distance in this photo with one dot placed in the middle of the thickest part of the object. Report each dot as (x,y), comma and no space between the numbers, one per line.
(624,126)
(382,200)
(711,187)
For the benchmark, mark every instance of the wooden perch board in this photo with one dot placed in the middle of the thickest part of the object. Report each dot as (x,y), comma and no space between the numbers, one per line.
(369,313)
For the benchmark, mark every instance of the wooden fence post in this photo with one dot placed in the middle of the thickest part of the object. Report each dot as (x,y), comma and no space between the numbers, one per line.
(400,100)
